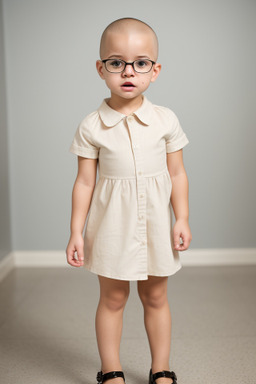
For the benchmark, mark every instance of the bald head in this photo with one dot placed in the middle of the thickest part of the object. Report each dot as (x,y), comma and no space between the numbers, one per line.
(132,29)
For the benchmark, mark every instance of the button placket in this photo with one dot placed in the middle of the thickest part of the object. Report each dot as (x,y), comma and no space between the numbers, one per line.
(141,192)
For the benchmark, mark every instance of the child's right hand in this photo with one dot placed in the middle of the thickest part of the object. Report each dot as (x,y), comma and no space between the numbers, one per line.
(75,248)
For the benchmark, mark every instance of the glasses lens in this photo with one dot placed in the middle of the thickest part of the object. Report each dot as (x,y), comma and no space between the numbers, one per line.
(115,65)
(143,66)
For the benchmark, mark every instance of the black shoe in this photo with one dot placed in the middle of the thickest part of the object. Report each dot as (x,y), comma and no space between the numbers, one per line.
(170,375)
(101,378)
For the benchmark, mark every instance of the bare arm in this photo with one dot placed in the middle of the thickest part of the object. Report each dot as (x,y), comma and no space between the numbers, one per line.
(179,200)
(81,200)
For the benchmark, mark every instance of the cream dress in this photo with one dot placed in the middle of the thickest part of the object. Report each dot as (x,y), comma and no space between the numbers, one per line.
(128,231)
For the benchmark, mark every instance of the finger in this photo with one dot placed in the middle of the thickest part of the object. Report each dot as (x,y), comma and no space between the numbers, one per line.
(78,260)
(80,253)
(186,241)
(176,239)
(75,263)
(71,259)
(69,254)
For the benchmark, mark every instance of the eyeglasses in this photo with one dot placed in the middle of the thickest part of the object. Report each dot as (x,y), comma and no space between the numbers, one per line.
(118,66)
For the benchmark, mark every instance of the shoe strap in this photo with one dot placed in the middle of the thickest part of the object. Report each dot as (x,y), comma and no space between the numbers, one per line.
(101,378)
(170,375)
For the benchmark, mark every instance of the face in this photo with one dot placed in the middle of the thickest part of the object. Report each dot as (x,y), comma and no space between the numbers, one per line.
(128,84)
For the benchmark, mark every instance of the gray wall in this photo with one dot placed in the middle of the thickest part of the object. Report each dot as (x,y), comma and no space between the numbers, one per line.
(207,49)
(5,228)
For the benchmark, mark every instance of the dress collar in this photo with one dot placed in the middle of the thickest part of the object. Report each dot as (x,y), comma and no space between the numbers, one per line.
(111,117)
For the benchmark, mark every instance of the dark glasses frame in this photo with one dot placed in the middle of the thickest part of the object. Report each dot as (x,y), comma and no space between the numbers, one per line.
(126,63)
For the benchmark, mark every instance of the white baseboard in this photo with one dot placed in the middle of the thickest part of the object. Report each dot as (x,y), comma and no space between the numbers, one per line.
(40,259)
(218,256)
(6,265)
(192,257)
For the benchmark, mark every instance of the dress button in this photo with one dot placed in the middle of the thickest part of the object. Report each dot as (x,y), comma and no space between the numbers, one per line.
(141,217)
(141,195)
(140,173)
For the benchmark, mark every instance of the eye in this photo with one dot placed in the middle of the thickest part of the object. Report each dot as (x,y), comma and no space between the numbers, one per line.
(116,63)
(143,63)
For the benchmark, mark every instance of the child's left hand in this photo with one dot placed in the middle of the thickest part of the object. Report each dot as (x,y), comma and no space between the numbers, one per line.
(181,230)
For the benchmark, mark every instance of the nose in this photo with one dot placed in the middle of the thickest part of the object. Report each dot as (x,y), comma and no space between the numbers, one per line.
(128,71)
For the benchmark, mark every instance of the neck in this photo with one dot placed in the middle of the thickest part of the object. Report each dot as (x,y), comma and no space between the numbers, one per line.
(125,106)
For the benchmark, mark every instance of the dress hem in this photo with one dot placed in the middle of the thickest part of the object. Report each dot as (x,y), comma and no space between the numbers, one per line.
(137,278)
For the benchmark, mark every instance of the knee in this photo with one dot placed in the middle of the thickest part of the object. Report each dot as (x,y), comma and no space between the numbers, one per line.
(115,301)
(153,299)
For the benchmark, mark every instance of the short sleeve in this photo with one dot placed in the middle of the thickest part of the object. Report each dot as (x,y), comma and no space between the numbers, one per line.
(176,139)
(83,143)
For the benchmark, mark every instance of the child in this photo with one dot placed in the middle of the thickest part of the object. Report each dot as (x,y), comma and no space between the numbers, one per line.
(141,174)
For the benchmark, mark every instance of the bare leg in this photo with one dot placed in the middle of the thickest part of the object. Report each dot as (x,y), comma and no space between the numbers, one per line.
(109,323)
(157,318)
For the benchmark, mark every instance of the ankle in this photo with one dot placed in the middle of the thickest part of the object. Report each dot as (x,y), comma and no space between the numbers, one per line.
(162,376)
(160,367)
(111,368)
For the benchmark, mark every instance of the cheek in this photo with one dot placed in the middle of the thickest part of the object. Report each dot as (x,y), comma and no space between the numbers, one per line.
(112,82)
(145,81)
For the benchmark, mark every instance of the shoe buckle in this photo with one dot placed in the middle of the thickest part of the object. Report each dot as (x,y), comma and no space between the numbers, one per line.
(99,377)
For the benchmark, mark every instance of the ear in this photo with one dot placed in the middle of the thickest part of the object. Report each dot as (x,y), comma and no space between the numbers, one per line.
(99,67)
(156,70)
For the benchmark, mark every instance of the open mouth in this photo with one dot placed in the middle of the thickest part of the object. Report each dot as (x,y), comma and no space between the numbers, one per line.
(128,85)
